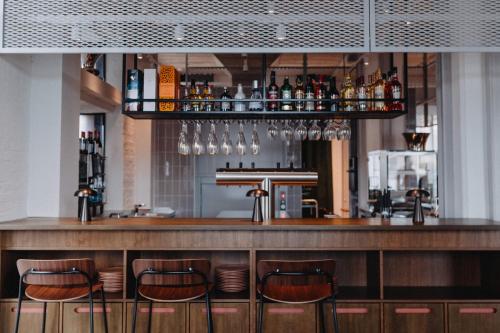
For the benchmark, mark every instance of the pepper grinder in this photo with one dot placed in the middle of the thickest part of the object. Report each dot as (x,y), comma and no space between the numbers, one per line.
(257,206)
(418,212)
(83,195)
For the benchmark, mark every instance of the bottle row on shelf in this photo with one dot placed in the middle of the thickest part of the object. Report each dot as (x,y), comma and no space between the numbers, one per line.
(317,93)
(90,143)
(91,165)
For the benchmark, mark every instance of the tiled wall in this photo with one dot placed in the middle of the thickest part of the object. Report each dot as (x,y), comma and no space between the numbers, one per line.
(189,185)
(172,174)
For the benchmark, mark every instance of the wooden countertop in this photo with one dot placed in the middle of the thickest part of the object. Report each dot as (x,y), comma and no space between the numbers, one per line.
(151,223)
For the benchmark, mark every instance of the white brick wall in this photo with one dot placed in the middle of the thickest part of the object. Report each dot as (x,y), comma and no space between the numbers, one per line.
(14,135)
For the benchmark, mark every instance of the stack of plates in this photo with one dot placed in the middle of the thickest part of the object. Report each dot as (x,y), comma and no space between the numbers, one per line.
(112,278)
(232,278)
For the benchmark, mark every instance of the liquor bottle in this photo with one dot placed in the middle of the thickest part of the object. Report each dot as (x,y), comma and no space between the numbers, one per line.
(90,143)
(387,89)
(239,106)
(309,95)
(395,91)
(208,104)
(226,106)
(273,93)
(134,89)
(195,97)
(256,105)
(333,94)
(369,92)
(97,143)
(186,105)
(361,94)
(299,93)
(83,143)
(379,91)
(348,94)
(286,94)
(320,95)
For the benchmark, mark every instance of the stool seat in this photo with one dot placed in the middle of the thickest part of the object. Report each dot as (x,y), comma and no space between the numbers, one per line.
(299,294)
(173,294)
(63,293)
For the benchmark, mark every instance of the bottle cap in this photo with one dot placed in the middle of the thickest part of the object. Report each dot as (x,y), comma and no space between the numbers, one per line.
(255,84)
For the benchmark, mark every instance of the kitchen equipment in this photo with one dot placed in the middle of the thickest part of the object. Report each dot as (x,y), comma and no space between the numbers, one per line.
(266,179)
(257,206)
(83,204)
(418,212)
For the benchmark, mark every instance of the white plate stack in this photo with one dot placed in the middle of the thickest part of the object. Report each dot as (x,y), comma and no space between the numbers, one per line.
(112,278)
(232,278)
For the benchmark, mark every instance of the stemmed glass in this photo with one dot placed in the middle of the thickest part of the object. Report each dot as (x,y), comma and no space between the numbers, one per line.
(287,132)
(198,145)
(272,130)
(227,144)
(314,133)
(213,143)
(241,144)
(183,146)
(300,133)
(344,132)
(255,145)
(330,131)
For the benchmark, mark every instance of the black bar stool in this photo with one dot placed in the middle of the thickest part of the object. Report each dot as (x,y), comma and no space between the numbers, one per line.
(171,281)
(297,282)
(58,281)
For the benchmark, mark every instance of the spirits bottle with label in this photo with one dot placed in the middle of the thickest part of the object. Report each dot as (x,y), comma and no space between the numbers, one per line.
(195,96)
(361,94)
(320,95)
(239,106)
(379,91)
(208,104)
(395,91)
(225,106)
(286,95)
(272,94)
(309,95)
(299,93)
(348,94)
(334,95)
(256,97)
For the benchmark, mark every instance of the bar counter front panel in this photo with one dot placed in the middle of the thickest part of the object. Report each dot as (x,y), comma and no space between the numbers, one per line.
(443,276)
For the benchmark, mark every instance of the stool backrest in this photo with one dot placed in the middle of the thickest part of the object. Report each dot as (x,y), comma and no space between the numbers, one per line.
(56,266)
(296,266)
(170,265)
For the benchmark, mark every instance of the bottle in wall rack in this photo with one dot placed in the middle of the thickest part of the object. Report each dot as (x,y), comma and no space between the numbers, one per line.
(195,97)
(309,95)
(361,94)
(286,95)
(186,105)
(239,106)
(256,105)
(299,93)
(226,106)
(379,91)
(272,94)
(395,92)
(348,93)
(320,95)
(334,94)
(208,105)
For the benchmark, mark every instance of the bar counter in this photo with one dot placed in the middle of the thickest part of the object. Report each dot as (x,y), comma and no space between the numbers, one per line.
(443,268)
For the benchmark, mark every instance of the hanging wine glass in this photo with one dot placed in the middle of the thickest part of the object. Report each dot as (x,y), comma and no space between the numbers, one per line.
(330,131)
(300,132)
(198,145)
(272,130)
(227,144)
(286,132)
(344,133)
(255,145)
(183,146)
(241,144)
(314,133)
(213,143)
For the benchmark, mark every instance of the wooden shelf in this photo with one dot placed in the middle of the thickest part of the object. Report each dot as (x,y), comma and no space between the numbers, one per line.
(263,115)
(95,91)
(440,293)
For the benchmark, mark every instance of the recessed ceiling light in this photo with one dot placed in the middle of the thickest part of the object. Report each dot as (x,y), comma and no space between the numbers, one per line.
(280,32)
(179,32)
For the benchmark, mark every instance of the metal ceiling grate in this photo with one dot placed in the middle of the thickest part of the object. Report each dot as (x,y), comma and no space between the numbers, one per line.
(435,25)
(205,25)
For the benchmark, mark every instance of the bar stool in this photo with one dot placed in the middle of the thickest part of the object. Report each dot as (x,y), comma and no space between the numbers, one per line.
(297,282)
(58,281)
(159,280)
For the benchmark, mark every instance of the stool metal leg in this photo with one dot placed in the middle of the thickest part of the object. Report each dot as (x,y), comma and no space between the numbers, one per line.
(44,318)
(134,317)
(104,312)
(19,303)
(261,315)
(210,324)
(321,317)
(91,311)
(150,315)
(335,319)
